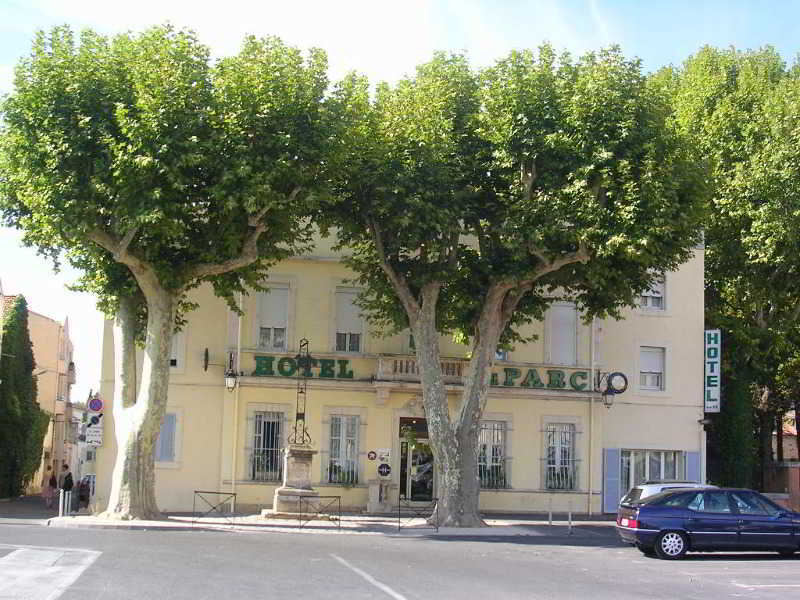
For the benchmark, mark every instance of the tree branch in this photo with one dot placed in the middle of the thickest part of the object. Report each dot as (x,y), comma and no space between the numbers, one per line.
(527,177)
(581,255)
(397,281)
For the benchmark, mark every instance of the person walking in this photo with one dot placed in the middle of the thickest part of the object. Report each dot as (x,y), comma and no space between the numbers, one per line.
(67,484)
(49,487)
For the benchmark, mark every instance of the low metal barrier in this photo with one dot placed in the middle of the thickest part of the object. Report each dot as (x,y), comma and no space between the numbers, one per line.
(315,506)
(212,502)
(408,511)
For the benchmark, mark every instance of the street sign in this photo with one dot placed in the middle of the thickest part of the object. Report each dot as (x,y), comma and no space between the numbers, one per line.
(95,404)
(384,454)
(384,470)
(713,376)
(94,430)
(371,455)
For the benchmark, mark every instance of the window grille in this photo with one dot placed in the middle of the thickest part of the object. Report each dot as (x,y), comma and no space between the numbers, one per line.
(561,470)
(492,455)
(266,461)
(343,460)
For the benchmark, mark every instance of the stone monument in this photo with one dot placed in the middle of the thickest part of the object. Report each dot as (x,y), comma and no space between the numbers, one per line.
(296,479)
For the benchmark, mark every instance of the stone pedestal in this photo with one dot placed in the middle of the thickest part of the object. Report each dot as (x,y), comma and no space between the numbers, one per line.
(380,496)
(296,480)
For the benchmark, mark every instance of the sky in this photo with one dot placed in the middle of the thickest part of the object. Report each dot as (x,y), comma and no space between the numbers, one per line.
(384,40)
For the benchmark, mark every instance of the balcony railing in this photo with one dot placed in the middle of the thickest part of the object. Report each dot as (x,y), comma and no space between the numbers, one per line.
(405,368)
(493,477)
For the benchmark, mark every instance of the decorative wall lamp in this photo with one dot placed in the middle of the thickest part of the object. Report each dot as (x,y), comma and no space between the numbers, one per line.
(230,380)
(611,384)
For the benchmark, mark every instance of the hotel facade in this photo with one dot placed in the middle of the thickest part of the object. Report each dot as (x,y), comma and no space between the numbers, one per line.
(548,439)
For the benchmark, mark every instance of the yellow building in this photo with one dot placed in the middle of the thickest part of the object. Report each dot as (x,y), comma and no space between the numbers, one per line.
(55,373)
(547,440)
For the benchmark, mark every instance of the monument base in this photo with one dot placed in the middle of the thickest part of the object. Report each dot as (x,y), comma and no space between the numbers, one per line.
(296,481)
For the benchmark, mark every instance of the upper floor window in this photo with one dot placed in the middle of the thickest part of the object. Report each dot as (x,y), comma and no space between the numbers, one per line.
(273,317)
(651,368)
(349,325)
(177,353)
(562,333)
(501,354)
(654,297)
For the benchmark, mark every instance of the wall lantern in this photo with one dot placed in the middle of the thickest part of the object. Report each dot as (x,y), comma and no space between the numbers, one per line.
(230,380)
(611,384)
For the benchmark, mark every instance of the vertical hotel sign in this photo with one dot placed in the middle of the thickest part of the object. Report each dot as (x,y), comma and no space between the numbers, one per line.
(713,379)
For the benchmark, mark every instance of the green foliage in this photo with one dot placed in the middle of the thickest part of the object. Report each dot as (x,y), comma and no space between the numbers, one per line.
(22,423)
(141,134)
(731,443)
(523,163)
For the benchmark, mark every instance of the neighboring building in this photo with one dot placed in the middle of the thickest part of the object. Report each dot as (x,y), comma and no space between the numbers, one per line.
(546,440)
(55,372)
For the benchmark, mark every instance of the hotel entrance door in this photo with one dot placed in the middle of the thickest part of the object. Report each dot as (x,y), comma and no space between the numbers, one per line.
(416,461)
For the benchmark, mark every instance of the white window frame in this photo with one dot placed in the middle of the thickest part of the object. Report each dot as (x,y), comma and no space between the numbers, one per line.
(652,380)
(347,456)
(276,454)
(680,471)
(559,429)
(258,321)
(349,291)
(648,301)
(550,334)
(325,442)
(175,463)
(177,354)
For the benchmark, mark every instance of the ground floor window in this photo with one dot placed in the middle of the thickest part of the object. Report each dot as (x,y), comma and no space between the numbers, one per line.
(266,461)
(639,466)
(561,468)
(343,459)
(492,455)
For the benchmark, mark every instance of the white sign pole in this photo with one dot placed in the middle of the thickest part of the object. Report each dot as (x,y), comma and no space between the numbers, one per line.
(713,375)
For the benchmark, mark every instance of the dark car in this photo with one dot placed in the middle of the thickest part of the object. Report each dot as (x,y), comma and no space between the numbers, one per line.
(676,521)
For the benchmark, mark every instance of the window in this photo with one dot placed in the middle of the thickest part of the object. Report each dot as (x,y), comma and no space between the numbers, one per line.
(343,461)
(165,444)
(651,368)
(348,322)
(639,466)
(653,298)
(562,322)
(266,461)
(501,354)
(91,455)
(492,455)
(748,503)
(178,350)
(714,502)
(561,471)
(273,316)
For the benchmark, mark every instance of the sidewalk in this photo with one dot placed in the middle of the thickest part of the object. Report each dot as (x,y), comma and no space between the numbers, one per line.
(26,510)
(350,524)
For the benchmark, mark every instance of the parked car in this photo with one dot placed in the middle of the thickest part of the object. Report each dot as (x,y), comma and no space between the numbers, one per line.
(651,488)
(677,521)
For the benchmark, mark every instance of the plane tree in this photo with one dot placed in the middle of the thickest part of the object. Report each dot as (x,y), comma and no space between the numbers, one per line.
(471,200)
(155,170)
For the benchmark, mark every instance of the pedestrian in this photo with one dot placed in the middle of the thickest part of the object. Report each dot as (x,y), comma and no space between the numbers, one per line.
(66,485)
(49,487)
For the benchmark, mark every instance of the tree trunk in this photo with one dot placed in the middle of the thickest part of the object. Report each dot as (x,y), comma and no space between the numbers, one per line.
(779,425)
(137,425)
(766,421)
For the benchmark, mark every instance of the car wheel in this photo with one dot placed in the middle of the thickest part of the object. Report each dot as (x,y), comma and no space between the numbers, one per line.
(671,545)
(646,550)
(788,553)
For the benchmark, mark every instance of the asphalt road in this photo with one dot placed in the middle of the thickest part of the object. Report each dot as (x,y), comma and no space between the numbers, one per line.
(200,565)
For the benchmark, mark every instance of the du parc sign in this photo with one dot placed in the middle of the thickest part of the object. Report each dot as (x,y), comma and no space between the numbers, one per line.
(713,376)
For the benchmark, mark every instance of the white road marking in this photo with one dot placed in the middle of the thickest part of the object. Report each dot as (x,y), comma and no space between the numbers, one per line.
(369,578)
(766,585)
(41,572)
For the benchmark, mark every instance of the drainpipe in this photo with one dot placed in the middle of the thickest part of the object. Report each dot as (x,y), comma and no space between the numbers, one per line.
(236,403)
(592,377)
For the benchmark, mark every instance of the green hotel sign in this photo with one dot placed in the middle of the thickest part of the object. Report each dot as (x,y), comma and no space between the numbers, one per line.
(286,366)
(555,379)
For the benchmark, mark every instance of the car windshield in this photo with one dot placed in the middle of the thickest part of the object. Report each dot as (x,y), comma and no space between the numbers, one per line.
(671,497)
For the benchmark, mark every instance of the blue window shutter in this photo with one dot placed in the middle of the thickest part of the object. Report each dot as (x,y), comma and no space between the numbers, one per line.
(693,466)
(165,445)
(611,468)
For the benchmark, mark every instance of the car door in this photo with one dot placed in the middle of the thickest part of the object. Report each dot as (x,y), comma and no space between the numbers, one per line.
(761,524)
(711,521)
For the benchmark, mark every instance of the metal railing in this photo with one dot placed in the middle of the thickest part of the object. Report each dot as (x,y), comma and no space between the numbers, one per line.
(343,472)
(266,465)
(563,476)
(493,477)
(408,513)
(205,503)
(405,368)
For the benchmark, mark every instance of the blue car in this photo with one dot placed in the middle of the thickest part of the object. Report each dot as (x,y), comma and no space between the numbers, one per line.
(677,521)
